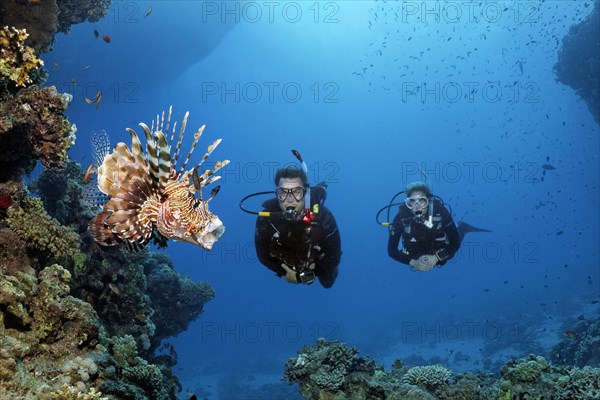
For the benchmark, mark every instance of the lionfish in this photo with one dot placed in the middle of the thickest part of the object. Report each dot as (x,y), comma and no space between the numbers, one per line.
(149,193)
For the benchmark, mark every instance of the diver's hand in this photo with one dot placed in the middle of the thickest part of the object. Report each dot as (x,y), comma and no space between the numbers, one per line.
(429,261)
(290,274)
(423,263)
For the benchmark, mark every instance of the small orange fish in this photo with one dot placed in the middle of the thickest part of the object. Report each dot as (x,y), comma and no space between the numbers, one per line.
(570,334)
(88,173)
(89,101)
(106,38)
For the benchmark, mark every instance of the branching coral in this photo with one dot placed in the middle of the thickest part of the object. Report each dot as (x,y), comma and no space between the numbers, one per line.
(42,233)
(17,61)
(124,350)
(526,369)
(68,392)
(326,364)
(144,375)
(582,384)
(429,376)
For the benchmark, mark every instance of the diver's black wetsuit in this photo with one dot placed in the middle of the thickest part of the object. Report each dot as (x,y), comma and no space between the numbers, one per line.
(418,240)
(291,245)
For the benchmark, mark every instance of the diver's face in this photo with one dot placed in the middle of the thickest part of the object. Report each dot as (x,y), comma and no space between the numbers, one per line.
(419,205)
(290,201)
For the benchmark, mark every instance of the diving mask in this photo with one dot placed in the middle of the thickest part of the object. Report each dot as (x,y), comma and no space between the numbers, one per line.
(412,202)
(296,192)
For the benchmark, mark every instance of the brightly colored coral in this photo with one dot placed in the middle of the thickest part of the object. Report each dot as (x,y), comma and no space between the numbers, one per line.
(17,61)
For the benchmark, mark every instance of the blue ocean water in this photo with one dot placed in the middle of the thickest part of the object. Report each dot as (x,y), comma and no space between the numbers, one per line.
(369,92)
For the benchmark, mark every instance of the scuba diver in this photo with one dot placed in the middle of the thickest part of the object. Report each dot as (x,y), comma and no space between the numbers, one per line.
(429,236)
(296,236)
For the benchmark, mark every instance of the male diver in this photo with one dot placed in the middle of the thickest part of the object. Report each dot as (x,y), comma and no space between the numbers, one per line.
(429,236)
(296,236)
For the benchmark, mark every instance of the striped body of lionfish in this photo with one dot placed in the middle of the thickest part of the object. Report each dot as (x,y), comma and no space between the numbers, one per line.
(149,193)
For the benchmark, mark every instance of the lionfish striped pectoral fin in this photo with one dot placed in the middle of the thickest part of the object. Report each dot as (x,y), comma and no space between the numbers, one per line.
(101,232)
(124,176)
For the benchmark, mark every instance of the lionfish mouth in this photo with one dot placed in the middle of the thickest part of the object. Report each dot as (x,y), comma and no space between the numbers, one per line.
(211,234)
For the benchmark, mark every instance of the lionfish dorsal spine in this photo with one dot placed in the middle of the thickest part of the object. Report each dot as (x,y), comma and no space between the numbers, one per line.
(164,159)
(179,138)
(169,124)
(197,137)
(151,157)
(209,150)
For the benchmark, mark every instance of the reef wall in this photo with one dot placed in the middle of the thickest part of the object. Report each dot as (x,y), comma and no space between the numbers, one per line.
(43,18)
(579,60)
(77,321)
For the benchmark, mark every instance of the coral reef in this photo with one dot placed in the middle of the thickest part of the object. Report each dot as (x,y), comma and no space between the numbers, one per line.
(429,376)
(43,328)
(42,19)
(33,127)
(578,62)
(334,371)
(176,300)
(139,378)
(73,393)
(62,192)
(17,61)
(45,238)
(88,328)
(91,326)
(582,348)
(71,12)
